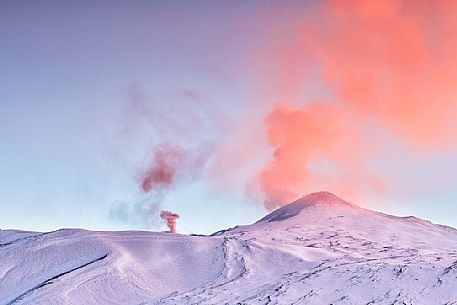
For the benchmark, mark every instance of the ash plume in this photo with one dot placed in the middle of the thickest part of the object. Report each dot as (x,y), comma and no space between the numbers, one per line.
(167,163)
(176,123)
(384,96)
(170,164)
(170,218)
(389,67)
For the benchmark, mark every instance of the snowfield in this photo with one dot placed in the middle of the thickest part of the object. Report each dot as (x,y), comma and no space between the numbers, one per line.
(317,250)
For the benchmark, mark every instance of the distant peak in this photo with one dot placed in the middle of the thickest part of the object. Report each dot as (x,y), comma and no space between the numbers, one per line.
(317,199)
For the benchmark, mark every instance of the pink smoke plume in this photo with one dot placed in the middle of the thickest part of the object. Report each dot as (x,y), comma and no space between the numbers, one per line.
(170,165)
(390,67)
(386,72)
(170,218)
(180,156)
(167,162)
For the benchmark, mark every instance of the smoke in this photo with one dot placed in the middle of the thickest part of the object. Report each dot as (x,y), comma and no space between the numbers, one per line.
(393,61)
(390,68)
(170,165)
(164,136)
(168,161)
(170,218)
(337,89)
(315,146)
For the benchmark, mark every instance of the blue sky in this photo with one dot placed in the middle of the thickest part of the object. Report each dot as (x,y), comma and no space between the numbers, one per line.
(72,139)
(68,70)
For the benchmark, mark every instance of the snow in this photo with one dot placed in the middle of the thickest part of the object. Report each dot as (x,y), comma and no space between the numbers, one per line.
(317,250)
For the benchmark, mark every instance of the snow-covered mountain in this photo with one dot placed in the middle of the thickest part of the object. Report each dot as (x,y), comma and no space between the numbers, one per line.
(316,250)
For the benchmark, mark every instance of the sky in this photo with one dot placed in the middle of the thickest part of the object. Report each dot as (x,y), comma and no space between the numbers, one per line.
(222,111)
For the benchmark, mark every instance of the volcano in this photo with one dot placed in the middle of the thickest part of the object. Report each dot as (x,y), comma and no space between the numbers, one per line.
(319,249)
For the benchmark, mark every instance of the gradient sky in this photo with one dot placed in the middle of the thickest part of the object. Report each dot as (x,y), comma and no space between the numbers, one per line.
(88,89)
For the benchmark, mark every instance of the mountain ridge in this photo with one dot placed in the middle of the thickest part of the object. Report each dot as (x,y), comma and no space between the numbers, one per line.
(317,250)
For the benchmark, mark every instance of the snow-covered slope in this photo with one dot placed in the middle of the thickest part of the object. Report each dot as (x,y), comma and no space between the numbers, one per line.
(317,250)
